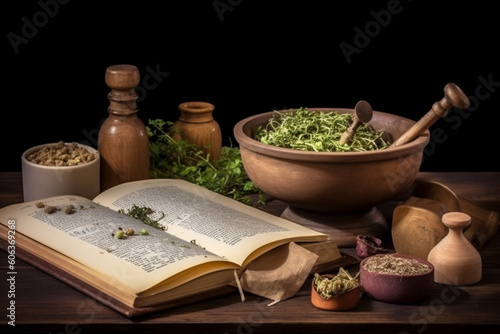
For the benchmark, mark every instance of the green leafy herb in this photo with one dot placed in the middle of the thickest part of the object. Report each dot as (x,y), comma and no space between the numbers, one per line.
(142,214)
(318,131)
(183,160)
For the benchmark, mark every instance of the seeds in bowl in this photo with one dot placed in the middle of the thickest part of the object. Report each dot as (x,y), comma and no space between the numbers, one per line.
(396,265)
(62,154)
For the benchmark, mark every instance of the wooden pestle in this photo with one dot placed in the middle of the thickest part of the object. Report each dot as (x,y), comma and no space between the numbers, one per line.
(363,113)
(453,97)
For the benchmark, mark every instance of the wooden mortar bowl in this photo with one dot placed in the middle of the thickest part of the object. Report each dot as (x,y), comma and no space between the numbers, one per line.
(332,181)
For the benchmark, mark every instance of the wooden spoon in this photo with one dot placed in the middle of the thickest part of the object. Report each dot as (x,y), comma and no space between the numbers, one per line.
(453,97)
(363,113)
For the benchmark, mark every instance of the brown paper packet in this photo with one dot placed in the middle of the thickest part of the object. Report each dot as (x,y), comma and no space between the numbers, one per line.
(279,274)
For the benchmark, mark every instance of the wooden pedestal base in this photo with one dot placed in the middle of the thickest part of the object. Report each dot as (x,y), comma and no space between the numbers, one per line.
(341,227)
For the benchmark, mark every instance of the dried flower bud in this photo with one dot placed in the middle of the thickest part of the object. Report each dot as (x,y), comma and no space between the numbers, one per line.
(69,209)
(49,209)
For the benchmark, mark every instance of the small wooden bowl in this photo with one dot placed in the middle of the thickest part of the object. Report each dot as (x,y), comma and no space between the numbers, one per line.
(397,288)
(345,301)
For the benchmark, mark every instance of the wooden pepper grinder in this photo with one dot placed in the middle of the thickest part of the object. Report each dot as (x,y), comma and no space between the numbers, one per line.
(197,126)
(123,141)
(456,261)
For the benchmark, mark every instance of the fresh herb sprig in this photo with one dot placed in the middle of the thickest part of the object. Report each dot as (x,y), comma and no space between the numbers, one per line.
(318,131)
(182,160)
(142,214)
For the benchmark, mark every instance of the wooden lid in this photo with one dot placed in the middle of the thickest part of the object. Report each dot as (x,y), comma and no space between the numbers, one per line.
(456,220)
(122,77)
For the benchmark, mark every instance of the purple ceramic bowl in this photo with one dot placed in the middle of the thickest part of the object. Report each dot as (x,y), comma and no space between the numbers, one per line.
(396,288)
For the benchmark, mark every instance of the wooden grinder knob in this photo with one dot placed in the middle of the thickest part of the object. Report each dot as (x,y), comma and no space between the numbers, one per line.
(456,220)
(122,77)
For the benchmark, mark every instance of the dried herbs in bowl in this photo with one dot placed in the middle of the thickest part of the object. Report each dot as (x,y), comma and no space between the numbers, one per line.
(335,292)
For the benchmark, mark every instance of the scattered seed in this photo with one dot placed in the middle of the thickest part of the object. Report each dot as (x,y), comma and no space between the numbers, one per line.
(50,209)
(69,209)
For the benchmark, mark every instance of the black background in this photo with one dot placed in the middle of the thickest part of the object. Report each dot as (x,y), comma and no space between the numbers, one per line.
(248,57)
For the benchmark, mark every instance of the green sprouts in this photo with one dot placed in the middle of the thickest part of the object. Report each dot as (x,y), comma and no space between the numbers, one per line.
(317,131)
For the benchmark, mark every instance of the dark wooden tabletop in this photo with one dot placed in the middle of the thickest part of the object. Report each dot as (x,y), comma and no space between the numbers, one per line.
(45,304)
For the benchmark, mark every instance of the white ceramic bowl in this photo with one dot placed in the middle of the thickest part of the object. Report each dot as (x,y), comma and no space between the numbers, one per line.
(46,181)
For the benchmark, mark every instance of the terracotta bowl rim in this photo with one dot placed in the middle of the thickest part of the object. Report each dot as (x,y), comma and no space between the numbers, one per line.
(343,157)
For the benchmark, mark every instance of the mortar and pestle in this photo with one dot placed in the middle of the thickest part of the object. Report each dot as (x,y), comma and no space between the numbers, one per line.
(337,193)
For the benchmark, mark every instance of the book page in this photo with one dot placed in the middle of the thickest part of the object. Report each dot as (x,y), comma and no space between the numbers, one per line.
(88,236)
(222,225)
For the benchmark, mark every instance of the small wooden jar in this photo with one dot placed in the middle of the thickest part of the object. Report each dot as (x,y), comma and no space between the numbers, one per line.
(197,126)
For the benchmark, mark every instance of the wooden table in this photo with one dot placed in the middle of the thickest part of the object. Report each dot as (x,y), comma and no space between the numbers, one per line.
(45,304)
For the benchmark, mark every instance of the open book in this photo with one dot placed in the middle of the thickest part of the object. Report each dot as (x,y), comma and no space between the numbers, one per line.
(205,237)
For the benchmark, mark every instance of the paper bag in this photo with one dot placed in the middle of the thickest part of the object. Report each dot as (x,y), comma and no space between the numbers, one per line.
(279,274)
